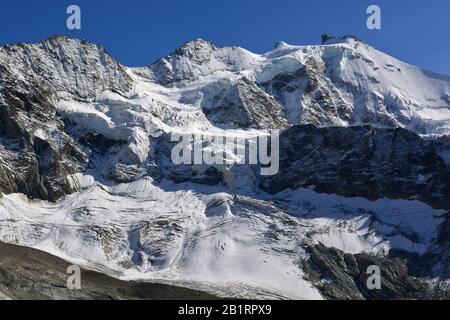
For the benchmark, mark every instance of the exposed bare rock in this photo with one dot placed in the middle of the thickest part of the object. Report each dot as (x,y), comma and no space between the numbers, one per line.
(362,162)
(344,276)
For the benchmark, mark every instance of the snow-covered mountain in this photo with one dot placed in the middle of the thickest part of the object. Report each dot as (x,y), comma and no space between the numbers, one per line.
(341,83)
(364,177)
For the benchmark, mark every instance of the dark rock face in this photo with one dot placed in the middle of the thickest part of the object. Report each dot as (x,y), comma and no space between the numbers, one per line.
(36,155)
(343,276)
(245,105)
(362,161)
(442,251)
(318,104)
(162,167)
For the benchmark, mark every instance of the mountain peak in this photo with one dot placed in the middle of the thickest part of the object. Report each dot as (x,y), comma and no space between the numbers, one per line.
(67,66)
(58,37)
(195,45)
(329,39)
(62,39)
(65,40)
(280,44)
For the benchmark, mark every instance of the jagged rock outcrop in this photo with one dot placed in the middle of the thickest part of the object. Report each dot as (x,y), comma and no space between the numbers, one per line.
(344,276)
(36,154)
(364,162)
(242,104)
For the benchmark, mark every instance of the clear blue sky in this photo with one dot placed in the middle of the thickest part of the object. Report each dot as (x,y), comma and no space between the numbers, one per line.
(137,32)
